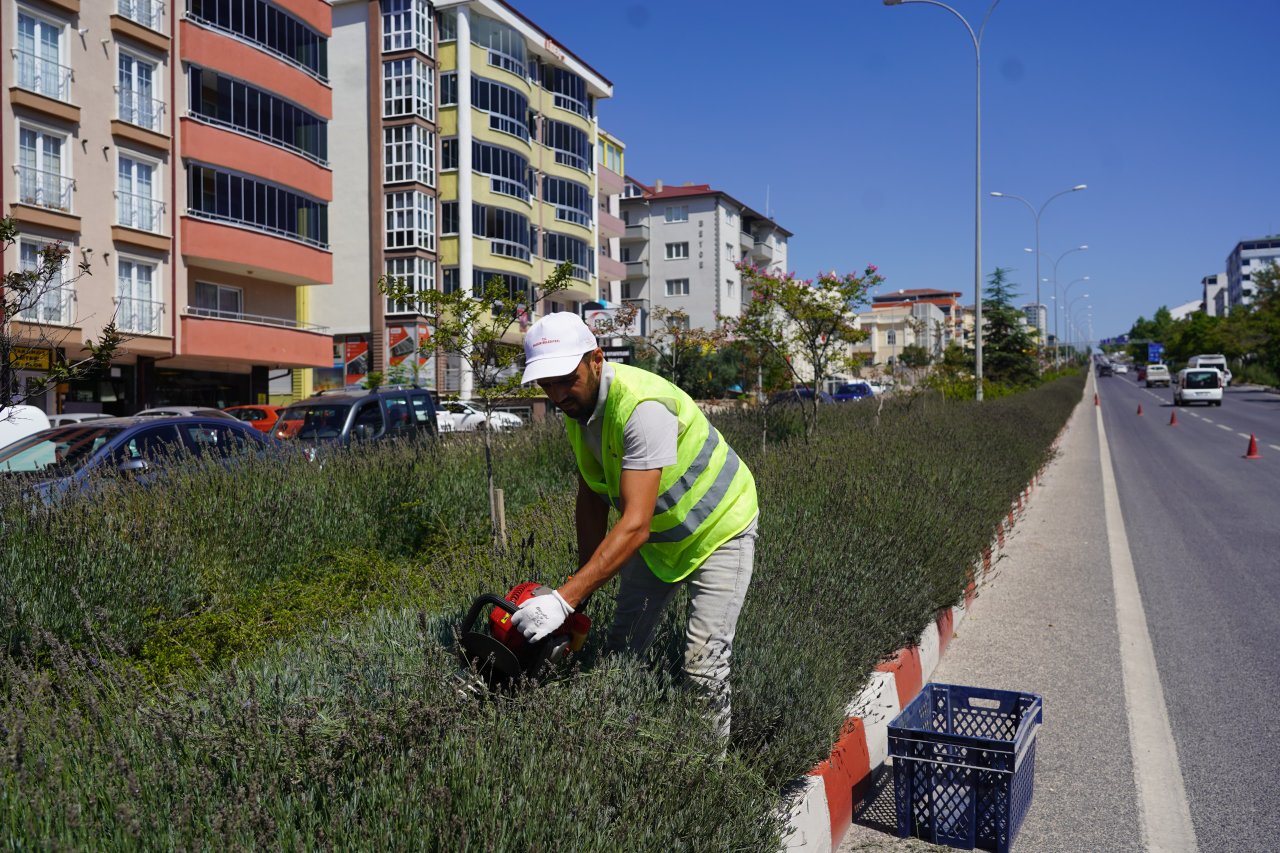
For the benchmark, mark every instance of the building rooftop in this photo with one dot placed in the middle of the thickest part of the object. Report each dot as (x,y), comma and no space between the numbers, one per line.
(663,192)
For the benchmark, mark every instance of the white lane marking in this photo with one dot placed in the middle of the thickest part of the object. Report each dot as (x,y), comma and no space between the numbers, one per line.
(1274,446)
(1165,816)
(1194,415)
(1227,428)
(1243,434)
(1208,419)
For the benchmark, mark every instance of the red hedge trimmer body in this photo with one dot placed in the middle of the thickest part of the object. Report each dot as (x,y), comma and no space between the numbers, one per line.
(501,655)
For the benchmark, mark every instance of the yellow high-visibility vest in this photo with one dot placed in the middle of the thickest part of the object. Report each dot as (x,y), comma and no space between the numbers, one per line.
(705,499)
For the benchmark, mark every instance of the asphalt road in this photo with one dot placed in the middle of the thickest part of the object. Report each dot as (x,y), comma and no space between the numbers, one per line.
(1203,530)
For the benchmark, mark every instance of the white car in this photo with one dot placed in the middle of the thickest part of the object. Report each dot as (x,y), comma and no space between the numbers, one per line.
(76,418)
(19,422)
(465,417)
(1120,368)
(1198,385)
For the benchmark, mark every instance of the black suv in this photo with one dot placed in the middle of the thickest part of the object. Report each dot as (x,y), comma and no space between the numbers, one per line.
(355,415)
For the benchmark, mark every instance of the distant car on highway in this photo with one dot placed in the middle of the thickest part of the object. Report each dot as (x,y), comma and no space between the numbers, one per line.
(1119,367)
(1157,374)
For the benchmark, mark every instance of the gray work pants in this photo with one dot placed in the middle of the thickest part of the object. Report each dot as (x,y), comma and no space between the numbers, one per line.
(716,591)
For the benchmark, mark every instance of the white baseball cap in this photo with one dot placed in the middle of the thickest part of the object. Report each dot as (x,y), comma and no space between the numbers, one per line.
(555,344)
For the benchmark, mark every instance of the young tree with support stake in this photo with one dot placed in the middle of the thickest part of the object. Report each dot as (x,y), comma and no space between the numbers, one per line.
(811,320)
(476,327)
(25,291)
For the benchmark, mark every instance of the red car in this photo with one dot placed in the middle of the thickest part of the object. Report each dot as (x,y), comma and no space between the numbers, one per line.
(261,418)
(1142,374)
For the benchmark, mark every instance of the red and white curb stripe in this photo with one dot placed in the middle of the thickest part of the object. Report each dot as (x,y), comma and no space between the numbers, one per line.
(822,811)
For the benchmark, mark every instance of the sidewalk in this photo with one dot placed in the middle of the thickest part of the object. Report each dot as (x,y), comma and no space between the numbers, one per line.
(1045,622)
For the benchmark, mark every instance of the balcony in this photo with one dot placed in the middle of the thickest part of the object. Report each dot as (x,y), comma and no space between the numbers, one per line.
(141,111)
(54,307)
(610,225)
(762,251)
(254,339)
(139,316)
(139,211)
(746,241)
(42,76)
(611,183)
(147,13)
(636,233)
(244,249)
(42,188)
(638,269)
(611,270)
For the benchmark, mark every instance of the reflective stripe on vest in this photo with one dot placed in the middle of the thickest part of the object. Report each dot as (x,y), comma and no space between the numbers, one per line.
(702,510)
(681,487)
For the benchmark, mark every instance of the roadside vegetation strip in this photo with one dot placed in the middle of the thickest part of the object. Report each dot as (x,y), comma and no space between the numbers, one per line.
(348,731)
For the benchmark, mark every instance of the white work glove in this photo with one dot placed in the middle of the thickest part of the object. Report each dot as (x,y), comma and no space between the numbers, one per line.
(541,615)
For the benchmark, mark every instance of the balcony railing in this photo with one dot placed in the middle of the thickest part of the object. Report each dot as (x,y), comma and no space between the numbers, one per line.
(639,231)
(140,316)
(141,110)
(54,308)
(638,269)
(43,188)
(140,211)
(240,316)
(43,76)
(250,225)
(149,13)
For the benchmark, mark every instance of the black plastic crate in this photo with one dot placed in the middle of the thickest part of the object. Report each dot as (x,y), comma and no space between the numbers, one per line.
(964,765)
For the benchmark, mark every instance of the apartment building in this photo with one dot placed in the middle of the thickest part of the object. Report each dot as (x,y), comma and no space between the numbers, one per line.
(1037,314)
(682,245)
(471,154)
(181,153)
(1248,257)
(1214,294)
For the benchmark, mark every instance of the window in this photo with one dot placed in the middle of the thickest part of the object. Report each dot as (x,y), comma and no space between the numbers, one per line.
(571,199)
(677,287)
(136,204)
(506,230)
(136,96)
(52,302)
(505,45)
(449,280)
(449,155)
(218,300)
(569,89)
(136,310)
(409,152)
(411,220)
(562,247)
(408,89)
(218,99)
(891,338)
(572,146)
(448,218)
(252,202)
(508,171)
(406,25)
(214,440)
(516,286)
(43,178)
(678,213)
(149,13)
(269,27)
(38,56)
(418,274)
(507,107)
(677,251)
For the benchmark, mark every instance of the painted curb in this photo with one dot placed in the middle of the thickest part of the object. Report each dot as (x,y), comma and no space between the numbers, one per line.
(822,810)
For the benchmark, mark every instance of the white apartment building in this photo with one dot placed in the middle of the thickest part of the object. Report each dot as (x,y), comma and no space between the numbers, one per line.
(1245,259)
(682,245)
(1214,290)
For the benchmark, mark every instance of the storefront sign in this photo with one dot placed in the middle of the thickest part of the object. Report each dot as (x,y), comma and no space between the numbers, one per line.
(30,358)
(622,355)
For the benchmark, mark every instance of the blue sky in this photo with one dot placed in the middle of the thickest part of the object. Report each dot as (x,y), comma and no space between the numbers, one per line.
(858,120)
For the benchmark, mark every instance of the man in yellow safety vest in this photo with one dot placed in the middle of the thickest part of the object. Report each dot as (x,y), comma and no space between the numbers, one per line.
(687,505)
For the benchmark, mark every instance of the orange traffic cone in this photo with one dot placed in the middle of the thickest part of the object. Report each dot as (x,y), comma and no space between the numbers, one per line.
(1173,418)
(1139,410)
(1253,453)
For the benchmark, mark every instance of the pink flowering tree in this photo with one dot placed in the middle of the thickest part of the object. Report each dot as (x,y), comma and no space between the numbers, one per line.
(809,323)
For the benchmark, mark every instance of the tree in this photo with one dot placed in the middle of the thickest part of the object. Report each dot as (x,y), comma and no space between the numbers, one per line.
(810,324)
(676,347)
(914,355)
(1008,349)
(478,328)
(24,294)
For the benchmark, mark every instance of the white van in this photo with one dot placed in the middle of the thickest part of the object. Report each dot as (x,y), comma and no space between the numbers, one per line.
(1218,362)
(19,422)
(1198,385)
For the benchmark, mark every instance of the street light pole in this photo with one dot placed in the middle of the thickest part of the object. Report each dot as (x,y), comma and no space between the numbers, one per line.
(1036,215)
(1055,293)
(977,178)
(1070,319)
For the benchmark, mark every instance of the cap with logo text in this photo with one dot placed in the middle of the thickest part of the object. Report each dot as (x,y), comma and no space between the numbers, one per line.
(554,345)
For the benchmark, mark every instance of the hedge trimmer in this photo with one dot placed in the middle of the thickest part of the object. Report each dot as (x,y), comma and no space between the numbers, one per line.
(497,655)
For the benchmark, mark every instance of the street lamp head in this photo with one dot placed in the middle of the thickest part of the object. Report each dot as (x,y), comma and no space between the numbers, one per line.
(893,2)
(1079,187)
(1085,246)
(997,195)
(1028,250)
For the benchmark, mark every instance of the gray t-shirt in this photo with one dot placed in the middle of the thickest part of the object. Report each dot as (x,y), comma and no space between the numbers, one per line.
(648,439)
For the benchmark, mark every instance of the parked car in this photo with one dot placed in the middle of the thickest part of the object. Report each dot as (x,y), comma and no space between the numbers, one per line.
(183,412)
(466,417)
(799,394)
(852,391)
(19,422)
(341,417)
(54,460)
(261,417)
(1157,374)
(1198,385)
(69,418)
